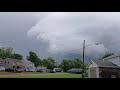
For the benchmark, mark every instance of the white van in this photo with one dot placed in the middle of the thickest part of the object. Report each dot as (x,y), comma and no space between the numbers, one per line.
(2,68)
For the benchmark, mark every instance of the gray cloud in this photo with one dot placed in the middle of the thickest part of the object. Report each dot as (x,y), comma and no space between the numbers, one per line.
(14,26)
(65,31)
(61,34)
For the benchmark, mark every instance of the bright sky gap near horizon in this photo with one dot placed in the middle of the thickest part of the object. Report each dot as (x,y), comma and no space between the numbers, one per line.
(60,34)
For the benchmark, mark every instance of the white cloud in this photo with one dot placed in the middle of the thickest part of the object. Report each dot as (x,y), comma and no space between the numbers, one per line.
(65,31)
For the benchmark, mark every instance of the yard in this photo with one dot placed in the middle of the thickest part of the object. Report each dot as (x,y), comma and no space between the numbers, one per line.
(42,75)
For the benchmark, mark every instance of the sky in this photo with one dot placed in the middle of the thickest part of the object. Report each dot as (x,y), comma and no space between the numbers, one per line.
(61,34)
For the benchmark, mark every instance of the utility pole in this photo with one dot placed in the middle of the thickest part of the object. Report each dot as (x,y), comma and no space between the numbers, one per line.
(83,59)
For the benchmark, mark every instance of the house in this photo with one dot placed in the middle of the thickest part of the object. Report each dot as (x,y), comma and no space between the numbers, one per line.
(14,64)
(41,68)
(103,69)
(29,66)
(57,70)
(2,68)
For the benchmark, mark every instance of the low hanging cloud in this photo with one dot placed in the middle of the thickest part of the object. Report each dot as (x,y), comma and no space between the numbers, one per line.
(65,31)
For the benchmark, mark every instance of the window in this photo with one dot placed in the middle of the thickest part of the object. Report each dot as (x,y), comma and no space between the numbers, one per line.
(17,67)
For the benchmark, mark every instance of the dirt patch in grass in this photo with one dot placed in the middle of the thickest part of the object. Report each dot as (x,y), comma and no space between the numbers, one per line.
(12,73)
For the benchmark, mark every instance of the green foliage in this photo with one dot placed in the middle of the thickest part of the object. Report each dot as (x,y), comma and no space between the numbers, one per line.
(65,65)
(57,75)
(7,52)
(34,58)
(77,63)
(18,56)
(49,63)
(69,64)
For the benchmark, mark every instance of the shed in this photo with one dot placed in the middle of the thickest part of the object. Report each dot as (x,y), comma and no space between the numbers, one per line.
(103,69)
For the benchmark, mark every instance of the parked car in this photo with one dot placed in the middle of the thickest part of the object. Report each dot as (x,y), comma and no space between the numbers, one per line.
(76,71)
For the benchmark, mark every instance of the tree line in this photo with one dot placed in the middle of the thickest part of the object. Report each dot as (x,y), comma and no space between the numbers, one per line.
(49,62)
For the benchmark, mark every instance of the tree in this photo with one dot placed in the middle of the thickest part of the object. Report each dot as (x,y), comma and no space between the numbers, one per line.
(69,64)
(45,63)
(65,65)
(49,63)
(17,56)
(7,52)
(77,63)
(34,58)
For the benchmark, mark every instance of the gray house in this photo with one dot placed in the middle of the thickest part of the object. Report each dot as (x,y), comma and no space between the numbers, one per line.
(12,64)
(2,68)
(103,69)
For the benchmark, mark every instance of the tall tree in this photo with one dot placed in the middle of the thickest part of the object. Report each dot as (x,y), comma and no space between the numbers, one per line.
(77,63)
(7,52)
(69,64)
(65,65)
(45,62)
(17,56)
(49,63)
(34,58)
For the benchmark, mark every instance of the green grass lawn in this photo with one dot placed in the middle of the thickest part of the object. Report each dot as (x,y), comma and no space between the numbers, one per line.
(35,72)
(23,72)
(58,75)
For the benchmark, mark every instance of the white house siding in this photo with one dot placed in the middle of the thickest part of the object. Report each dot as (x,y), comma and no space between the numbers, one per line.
(1,62)
(97,72)
(29,65)
(92,64)
(44,69)
(89,73)
(93,71)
